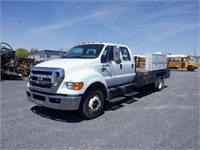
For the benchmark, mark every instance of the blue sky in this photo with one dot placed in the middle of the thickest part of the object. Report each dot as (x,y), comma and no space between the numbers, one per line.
(145,26)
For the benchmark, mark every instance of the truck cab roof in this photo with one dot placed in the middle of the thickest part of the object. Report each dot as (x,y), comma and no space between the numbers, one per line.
(104,43)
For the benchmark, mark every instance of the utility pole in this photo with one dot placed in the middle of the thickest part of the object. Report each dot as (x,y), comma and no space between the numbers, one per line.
(194,51)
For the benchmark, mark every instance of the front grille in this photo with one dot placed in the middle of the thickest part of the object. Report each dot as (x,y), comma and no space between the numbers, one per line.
(42,72)
(46,78)
(44,82)
(41,85)
(41,79)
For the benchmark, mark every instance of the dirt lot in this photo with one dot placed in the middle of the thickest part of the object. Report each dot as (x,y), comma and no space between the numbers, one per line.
(168,119)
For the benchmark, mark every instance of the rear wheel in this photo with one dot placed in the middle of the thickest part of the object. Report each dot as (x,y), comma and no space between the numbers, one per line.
(92,104)
(159,83)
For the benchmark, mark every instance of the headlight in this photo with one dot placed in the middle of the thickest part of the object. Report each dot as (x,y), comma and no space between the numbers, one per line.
(74,85)
(57,75)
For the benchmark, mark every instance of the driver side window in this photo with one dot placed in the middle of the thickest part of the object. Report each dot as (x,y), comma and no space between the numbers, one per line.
(107,54)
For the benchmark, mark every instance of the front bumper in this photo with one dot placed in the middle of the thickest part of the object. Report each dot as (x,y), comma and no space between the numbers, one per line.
(55,101)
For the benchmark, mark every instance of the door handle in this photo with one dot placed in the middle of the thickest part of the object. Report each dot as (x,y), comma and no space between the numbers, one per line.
(104,66)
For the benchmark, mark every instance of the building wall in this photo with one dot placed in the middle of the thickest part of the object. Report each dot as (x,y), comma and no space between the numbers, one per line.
(43,57)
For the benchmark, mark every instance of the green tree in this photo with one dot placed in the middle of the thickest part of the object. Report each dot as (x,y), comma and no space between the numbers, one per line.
(34,50)
(21,53)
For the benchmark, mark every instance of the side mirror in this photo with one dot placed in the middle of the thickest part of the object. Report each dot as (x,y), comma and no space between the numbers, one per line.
(117,55)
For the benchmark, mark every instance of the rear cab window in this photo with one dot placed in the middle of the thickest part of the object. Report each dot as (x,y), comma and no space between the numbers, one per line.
(125,54)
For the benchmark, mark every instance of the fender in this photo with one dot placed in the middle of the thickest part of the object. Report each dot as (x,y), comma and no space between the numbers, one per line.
(87,76)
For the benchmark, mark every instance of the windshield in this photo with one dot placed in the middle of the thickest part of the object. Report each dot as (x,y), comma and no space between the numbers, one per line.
(84,51)
(191,58)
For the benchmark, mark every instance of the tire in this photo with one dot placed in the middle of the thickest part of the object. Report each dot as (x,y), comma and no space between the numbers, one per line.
(159,83)
(190,68)
(92,104)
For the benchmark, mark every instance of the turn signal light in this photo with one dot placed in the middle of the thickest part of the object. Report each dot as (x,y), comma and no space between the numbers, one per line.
(75,85)
(78,85)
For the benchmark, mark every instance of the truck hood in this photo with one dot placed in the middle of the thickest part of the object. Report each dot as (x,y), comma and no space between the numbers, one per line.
(66,63)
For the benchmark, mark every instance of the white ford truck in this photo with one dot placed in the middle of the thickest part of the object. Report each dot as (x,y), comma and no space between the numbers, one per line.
(90,74)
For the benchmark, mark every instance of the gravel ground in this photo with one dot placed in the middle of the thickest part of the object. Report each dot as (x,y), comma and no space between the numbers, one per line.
(168,119)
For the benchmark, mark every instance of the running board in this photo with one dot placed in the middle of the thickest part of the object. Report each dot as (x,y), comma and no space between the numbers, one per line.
(116,99)
(126,90)
(131,94)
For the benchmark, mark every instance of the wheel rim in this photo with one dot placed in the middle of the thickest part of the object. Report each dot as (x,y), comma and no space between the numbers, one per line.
(94,104)
(190,68)
(160,84)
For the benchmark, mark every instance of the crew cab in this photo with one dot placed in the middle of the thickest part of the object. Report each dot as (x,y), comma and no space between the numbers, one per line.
(90,74)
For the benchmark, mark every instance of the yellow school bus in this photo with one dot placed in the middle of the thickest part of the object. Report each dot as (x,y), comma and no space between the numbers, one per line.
(182,62)
(140,61)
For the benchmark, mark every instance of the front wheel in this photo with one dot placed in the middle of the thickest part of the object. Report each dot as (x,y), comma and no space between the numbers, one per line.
(92,104)
(190,68)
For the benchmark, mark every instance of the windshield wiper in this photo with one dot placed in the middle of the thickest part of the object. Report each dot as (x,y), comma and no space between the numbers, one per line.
(78,57)
(74,57)
(85,57)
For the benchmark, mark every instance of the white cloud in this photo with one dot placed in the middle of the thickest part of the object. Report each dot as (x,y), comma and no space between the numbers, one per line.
(78,19)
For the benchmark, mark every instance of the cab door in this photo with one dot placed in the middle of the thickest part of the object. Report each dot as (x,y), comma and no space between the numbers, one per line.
(124,71)
(107,62)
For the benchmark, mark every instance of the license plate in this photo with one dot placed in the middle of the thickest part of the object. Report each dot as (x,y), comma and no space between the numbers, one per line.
(39,102)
